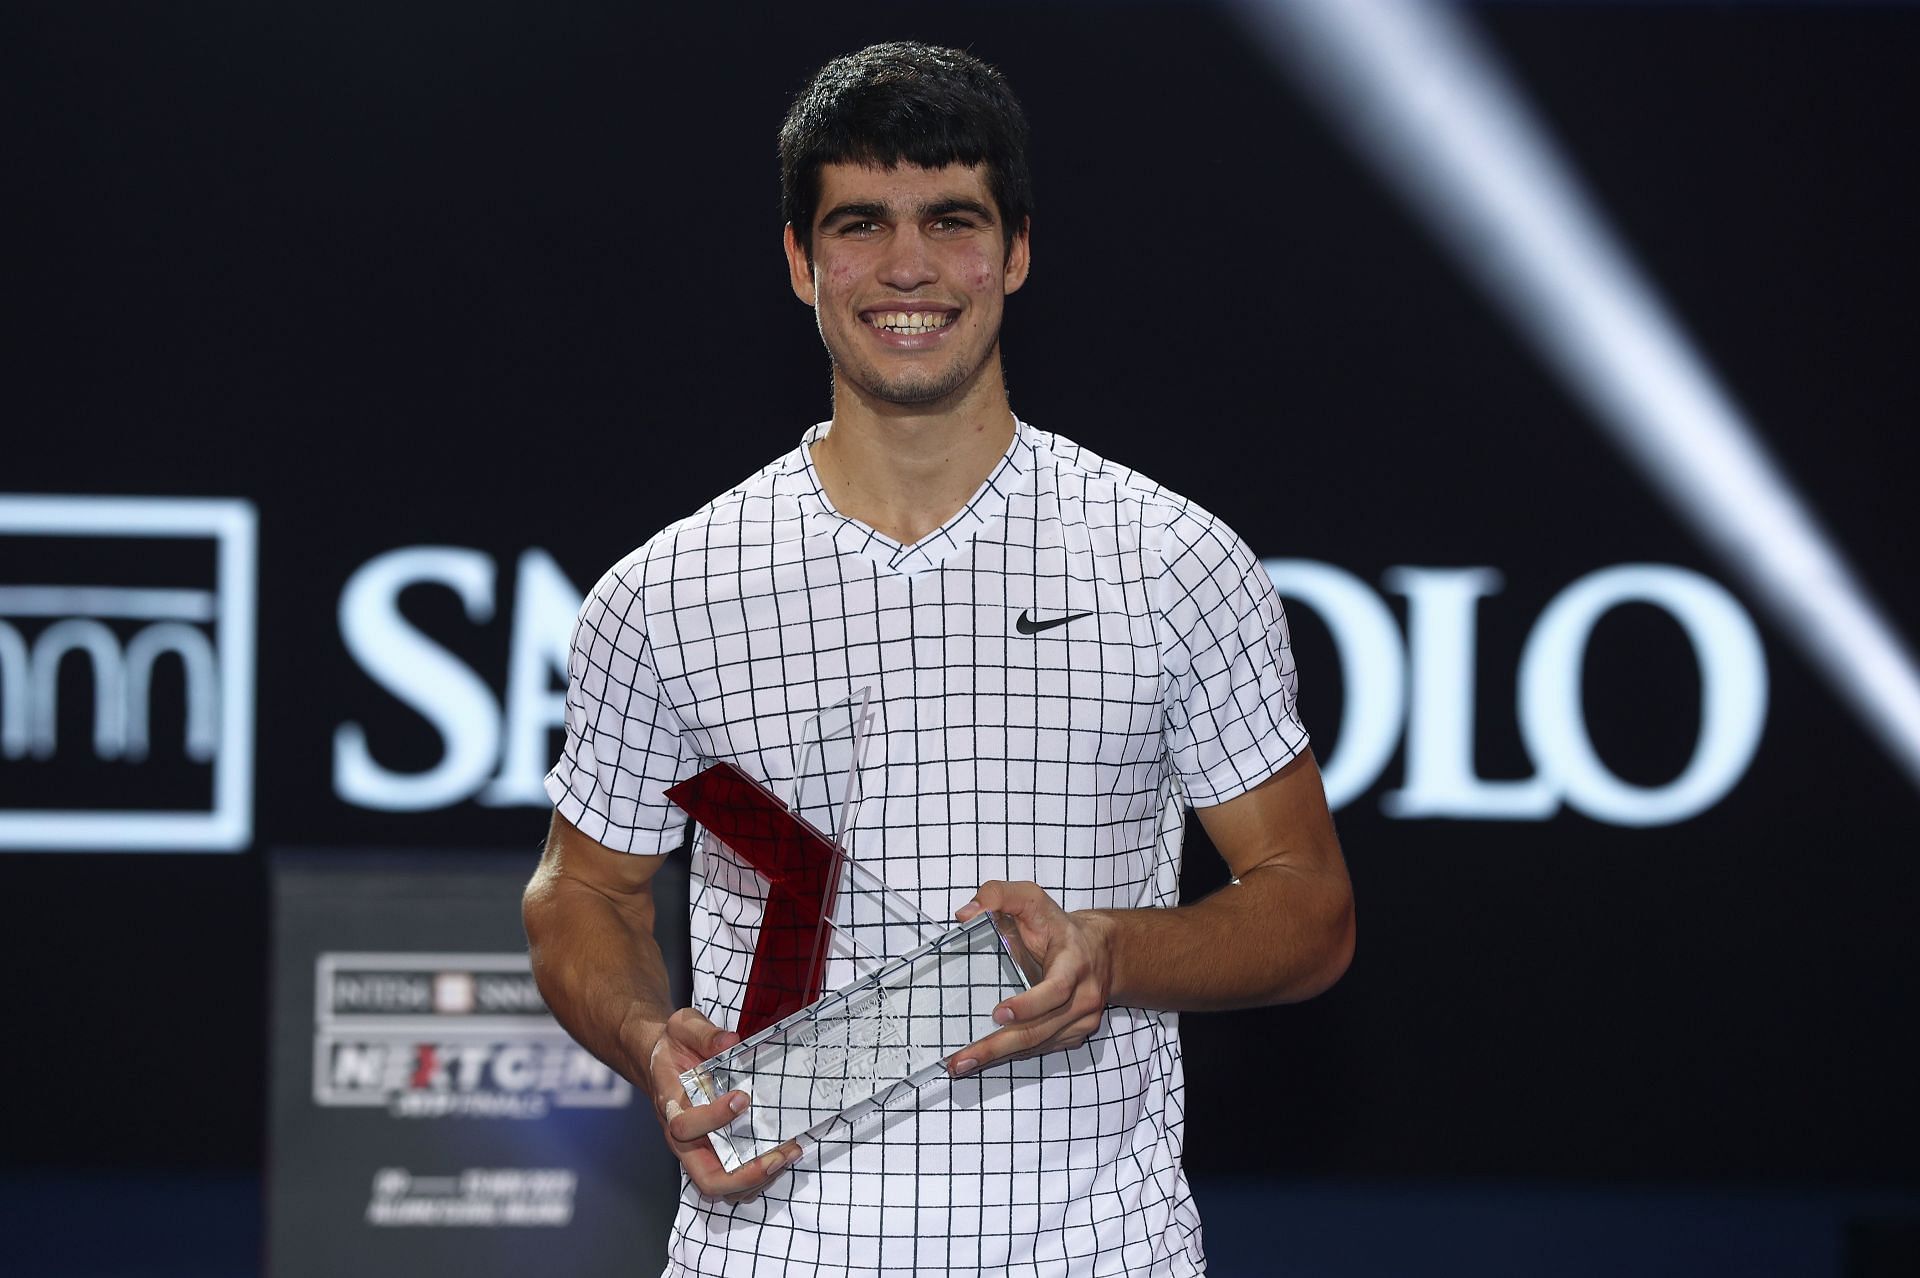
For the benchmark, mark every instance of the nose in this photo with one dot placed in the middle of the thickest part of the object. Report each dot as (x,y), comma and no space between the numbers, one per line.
(908,262)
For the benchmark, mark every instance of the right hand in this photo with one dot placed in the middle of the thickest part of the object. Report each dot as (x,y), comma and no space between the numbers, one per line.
(686,1040)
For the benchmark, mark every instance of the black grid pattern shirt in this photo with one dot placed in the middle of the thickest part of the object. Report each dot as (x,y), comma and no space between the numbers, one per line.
(1066,756)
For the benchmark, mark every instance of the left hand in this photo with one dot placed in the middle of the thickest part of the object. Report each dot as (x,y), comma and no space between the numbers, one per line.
(1065,1007)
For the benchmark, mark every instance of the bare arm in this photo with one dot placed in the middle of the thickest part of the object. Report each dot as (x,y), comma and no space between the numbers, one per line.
(589,917)
(1283,932)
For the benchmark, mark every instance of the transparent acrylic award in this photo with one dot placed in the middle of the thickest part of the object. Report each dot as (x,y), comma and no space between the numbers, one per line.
(897,1024)
(807,1059)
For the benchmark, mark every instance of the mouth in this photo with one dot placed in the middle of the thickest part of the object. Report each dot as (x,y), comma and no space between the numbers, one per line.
(909,323)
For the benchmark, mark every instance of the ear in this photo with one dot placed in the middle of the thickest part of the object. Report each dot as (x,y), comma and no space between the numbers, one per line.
(1019,257)
(799,270)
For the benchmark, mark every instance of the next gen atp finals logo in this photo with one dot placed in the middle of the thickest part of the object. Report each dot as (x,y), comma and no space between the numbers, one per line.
(126,673)
(447,1036)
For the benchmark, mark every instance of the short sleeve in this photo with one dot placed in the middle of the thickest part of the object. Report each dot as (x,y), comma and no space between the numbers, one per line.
(625,744)
(1232,717)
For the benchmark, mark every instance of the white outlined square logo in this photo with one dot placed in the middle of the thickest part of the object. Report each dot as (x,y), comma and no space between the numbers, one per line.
(120,632)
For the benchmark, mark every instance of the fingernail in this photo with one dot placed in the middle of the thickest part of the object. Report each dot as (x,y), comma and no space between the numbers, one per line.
(775,1161)
(966,1066)
(1004,1015)
(739,1102)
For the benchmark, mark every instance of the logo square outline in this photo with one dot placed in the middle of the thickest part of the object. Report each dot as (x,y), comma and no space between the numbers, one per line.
(232,524)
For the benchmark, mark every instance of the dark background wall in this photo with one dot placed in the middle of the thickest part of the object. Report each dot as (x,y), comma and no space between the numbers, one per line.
(505,277)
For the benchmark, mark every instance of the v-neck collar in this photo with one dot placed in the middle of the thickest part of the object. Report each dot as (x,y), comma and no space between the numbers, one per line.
(987,507)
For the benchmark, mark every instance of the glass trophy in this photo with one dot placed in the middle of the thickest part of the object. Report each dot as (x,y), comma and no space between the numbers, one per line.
(805,1058)
(897,1024)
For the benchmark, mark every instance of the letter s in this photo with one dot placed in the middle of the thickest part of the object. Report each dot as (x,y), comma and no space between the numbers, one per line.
(422,674)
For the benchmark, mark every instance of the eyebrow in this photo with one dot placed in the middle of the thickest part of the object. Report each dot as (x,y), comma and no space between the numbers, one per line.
(940,208)
(869,210)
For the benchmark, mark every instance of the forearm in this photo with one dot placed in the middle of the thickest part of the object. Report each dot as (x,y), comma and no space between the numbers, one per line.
(598,967)
(1277,936)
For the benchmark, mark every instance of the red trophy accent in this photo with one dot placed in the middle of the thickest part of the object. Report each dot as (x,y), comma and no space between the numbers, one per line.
(802,870)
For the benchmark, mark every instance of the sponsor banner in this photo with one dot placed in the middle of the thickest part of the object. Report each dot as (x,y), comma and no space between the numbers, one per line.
(435,1035)
(126,673)
(428,1112)
(126,682)
(1408,690)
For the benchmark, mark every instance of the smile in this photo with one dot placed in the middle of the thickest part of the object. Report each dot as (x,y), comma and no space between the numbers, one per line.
(910,321)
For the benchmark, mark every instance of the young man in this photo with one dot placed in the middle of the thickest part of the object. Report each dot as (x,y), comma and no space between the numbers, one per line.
(1059,657)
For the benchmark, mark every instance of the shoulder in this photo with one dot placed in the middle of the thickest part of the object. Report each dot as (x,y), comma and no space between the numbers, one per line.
(1184,534)
(745,513)
(690,549)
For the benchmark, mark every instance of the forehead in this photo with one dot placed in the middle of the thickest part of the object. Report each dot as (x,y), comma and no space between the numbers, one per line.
(903,187)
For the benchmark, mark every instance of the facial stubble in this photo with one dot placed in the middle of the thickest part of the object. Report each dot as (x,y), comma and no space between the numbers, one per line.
(903,393)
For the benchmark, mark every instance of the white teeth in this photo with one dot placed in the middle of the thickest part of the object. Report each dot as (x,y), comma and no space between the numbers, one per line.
(911,321)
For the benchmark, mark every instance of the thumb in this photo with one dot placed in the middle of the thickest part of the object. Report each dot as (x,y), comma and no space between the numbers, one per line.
(695,1032)
(993,895)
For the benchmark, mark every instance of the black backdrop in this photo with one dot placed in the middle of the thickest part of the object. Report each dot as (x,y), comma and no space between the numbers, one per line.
(507,276)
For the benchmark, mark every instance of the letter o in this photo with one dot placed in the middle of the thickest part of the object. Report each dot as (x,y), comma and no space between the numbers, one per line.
(1733,693)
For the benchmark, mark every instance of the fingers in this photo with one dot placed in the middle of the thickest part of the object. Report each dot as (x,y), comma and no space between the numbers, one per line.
(1043,1000)
(974,1056)
(689,1123)
(761,1172)
(1065,1006)
(1037,919)
(1017,899)
(687,1128)
(1058,1013)
(693,1032)
(753,1176)
(1071,1028)
(691,1038)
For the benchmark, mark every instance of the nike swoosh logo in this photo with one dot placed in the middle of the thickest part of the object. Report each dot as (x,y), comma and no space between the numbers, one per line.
(1028,626)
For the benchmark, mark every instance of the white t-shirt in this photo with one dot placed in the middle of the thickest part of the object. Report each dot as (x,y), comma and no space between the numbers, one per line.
(1053,676)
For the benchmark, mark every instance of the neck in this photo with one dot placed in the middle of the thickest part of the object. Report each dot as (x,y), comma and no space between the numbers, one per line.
(906,469)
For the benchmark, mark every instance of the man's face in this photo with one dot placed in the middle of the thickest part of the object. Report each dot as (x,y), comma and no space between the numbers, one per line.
(909,278)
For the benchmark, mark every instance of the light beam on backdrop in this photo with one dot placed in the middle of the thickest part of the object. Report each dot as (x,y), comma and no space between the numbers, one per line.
(1413,90)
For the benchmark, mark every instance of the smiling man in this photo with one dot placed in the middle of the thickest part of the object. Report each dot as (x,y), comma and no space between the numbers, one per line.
(1059,657)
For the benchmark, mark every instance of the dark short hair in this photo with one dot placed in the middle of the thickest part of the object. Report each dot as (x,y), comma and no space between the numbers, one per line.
(909,103)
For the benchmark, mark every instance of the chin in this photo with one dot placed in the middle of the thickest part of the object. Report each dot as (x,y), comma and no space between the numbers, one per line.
(929,387)
(910,392)
(910,396)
